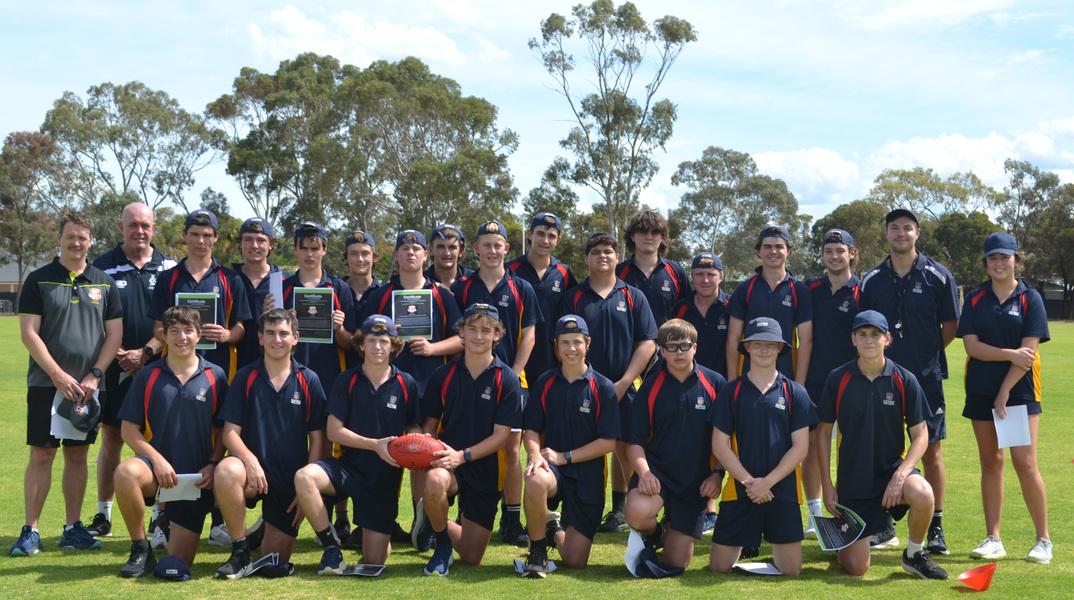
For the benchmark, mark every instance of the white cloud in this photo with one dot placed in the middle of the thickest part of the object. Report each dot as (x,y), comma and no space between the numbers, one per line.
(910,14)
(488,51)
(816,172)
(461,11)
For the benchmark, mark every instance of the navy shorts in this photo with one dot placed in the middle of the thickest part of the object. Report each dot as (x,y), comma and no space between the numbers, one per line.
(936,419)
(685,514)
(814,389)
(874,514)
(476,503)
(39,420)
(979,406)
(742,522)
(374,508)
(112,400)
(190,514)
(624,410)
(274,506)
(584,517)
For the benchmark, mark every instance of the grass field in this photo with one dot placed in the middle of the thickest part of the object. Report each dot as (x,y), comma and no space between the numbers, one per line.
(59,574)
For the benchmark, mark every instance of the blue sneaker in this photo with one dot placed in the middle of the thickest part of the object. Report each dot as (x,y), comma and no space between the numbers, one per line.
(332,562)
(77,538)
(442,558)
(28,544)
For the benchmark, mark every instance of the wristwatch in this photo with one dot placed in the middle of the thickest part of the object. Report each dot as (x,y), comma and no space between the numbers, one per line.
(96,373)
(569,456)
(466,456)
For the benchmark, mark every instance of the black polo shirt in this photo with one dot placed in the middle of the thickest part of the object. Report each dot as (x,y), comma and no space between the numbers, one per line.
(549,289)
(790,304)
(711,329)
(665,286)
(833,317)
(135,286)
(874,418)
(73,310)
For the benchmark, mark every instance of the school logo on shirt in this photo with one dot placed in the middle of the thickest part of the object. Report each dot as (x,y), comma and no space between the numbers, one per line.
(585,406)
(503,301)
(700,405)
(201,395)
(722,325)
(1014,310)
(889,399)
(781,403)
(621,307)
(393,402)
(917,288)
(846,306)
(787,300)
(95,295)
(666,287)
(216,289)
(488,394)
(122,283)
(152,281)
(555,286)
(296,400)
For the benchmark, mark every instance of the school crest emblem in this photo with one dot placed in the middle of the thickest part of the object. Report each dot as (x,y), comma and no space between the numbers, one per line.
(700,404)
(201,395)
(889,399)
(393,402)
(585,405)
(95,295)
(295,399)
(787,300)
(781,403)
(488,394)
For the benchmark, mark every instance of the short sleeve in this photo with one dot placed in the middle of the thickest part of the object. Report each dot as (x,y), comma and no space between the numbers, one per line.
(721,413)
(509,407)
(644,323)
(608,423)
(1036,318)
(803,313)
(318,418)
(966,326)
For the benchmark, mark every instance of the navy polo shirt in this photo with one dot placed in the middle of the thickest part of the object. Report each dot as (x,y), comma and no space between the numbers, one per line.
(760,426)
(374,413)
(327,360)
(928,296)
(232,305)
(177,419)
(446,319)
(1003,325)
(513,298)
(460,273)
(549,289)
(249,349)
(665,286)
(668,420)
(711,329)
(135,286)
(468,410)
(616,324)
(833,318)
(874,418)
(73,310)
(790,304)
(276,423)
(359,301)
(571,414)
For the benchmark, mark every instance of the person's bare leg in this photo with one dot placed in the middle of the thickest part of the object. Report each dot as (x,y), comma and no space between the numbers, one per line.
(36,482)
(75,476)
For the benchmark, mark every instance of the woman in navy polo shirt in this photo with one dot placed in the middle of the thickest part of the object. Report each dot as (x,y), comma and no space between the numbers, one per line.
(1002,323)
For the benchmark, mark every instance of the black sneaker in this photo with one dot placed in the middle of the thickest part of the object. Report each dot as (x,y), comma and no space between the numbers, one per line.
(236,567)
(536,566)
(142,561)
(613,521)
(750,552)
(400,535)
(515,535)
(100,526)
(936,543)
(886,538)
(552,527)
(76,538)
(354,540)
(922,566)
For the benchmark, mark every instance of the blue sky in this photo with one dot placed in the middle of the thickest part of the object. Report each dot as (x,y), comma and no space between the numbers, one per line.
(823,94)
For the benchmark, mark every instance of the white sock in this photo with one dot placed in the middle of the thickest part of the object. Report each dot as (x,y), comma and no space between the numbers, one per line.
(106,508)
(815,505)
(913,547)
(156,512)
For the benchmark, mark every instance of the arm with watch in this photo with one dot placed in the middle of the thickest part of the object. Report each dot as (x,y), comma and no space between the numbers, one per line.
(451,457)
(113,338)
(134,359)
(595,449)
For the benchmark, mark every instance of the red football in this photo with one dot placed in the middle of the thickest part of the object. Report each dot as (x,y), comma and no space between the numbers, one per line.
(414,450)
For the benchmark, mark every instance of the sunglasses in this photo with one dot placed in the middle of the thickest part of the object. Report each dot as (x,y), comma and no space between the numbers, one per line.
(680,347)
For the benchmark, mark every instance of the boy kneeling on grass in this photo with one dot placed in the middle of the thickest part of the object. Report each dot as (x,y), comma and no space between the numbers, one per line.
(169,420)
(877,403)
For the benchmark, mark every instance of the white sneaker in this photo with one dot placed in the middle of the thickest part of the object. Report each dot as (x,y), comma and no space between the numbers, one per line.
(1041,552)
(810,531)
(989,548)
(158,539)
(219,536)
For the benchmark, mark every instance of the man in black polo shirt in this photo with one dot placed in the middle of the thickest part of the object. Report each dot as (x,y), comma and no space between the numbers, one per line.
(877,403)
(70,316)
(135,265)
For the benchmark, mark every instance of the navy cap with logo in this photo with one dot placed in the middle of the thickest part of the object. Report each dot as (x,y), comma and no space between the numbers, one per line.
(1000,243)
(257,225)
(774,231)
(870,318)
(838,236)
(359,237)
(379,325)
(898,213)
(201,212)
(571,324)
(763,329)
(83,417)
(438,232)
(546,219)
(310,229)
(411,236)
(482,309)
(172,568)
(492,228)
(707,260)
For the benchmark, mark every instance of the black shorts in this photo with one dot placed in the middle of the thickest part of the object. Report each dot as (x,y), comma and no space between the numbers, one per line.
(874,514)
(936,420)
(814,389)
(584,517)
(39,420)
(375,508)
(979,406)
(742,522)
(188,513)
(624,410)
(274,506)
(685,514)
(112,400)
(477,504)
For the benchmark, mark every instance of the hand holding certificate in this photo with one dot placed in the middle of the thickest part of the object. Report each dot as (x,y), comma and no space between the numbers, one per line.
(412,311)
(205,304)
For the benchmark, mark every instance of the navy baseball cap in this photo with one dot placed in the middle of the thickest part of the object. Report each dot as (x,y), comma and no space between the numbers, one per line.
(201,212)
(1000,243)
(359,237)
(546,219)
(379,325)
(901,212)
(438,232)
(482,309)
(83,417)
(571,324)
(492,228)
(763,329)
(172,568)
(410,236)
(870,318)
(257,225)
(838,236)
(774,231)
(707,260)
(310,229)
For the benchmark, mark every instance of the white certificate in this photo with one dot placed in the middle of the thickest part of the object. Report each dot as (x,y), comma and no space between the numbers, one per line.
(1012,430)
(182,490)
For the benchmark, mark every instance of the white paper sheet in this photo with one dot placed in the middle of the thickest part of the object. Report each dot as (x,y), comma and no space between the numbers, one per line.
(275,287)
(183,489)
(61,427)
(758,568)
(1013,430)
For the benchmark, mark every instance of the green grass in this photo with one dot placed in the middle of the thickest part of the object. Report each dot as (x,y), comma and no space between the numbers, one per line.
(58,574)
